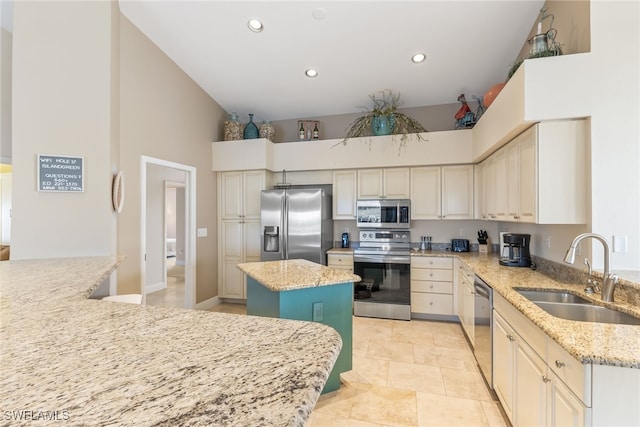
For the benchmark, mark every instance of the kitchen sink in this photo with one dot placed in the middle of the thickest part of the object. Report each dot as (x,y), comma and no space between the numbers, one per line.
(587,313)
(552,296)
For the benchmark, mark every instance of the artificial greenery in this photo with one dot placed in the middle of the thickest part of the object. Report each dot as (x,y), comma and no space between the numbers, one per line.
(385,103)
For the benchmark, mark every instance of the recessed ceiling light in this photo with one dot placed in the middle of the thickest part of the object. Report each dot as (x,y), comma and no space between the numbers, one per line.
(311,73)
(418,57)
(255,25)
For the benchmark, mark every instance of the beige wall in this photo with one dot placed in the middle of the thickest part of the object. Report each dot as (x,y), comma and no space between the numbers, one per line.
(165,115)
(109,96)
(572,22)
(62,88)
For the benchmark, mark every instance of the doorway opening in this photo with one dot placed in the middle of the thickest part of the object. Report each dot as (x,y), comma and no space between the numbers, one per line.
(167,240)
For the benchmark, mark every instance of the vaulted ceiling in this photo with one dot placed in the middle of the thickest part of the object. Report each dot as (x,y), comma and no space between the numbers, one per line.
(357,47)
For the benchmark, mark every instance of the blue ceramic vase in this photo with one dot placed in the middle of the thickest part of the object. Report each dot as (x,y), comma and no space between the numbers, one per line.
(250,130)
(382,125)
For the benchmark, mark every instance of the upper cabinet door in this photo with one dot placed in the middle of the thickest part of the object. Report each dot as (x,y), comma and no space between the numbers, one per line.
(231,194)
(425,193)
(396,183)
(344,194)
(370,183)
(253,184)
(457,192)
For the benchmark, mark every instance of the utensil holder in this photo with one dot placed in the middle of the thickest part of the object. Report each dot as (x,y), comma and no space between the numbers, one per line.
(485,248)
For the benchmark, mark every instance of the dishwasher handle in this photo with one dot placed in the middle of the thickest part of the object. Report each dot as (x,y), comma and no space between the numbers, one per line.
(482,289)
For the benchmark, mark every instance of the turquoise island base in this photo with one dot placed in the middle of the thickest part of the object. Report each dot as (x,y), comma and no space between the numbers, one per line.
(303,290)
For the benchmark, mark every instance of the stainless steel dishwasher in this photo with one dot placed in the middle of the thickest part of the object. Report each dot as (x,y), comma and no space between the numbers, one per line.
(482,328)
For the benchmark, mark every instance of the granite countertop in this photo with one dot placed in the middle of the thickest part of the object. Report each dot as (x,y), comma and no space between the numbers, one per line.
(92,362)
(588,342)
(340,251)
(292,274)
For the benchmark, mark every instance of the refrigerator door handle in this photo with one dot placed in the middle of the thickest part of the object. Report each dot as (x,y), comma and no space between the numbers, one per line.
(285,227)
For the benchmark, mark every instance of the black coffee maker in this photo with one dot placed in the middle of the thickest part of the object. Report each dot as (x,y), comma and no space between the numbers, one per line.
(516,250)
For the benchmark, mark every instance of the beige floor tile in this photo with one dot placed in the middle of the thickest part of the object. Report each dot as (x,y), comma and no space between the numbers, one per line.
(368,371)
(338,403)
(450,339)
(444,357)
(370,328)
(385,405)
(319,419)
(405,332)
(465,384)
(414,377)
(440,411)
(232,308)
(389,350)
(494,415)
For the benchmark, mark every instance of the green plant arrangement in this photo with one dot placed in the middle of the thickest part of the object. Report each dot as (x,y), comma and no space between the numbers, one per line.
(384,104)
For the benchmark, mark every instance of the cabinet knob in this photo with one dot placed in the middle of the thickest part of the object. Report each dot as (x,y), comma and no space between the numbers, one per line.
(511,338)
(431,287)
(545,379)
(431,303)
(559,364)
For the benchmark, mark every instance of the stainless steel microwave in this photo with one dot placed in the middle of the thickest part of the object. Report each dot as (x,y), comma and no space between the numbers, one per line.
(383,213)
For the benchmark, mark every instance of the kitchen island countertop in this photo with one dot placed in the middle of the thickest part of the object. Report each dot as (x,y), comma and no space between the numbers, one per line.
(292,274)
(92,362)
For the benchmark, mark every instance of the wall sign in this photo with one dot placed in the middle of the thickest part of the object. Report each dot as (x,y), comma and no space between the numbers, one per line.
(60,173)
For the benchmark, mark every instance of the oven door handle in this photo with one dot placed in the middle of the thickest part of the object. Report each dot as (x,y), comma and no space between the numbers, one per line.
(382,260)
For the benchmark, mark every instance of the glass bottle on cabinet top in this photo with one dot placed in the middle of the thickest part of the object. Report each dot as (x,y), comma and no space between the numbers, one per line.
(267,130)
(232,128)
(250,130)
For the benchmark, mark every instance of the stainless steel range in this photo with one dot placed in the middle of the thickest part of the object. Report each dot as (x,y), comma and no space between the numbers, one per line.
(382,261)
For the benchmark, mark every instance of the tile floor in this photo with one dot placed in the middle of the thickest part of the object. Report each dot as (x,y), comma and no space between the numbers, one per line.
(416,373)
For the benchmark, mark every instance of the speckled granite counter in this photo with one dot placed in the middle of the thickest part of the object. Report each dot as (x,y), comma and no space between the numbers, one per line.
(295,274)
(104,363)
(589,342)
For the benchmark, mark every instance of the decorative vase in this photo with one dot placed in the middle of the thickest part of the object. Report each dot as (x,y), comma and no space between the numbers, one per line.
(383,125)
(250,129)
(267,130)
(232,128)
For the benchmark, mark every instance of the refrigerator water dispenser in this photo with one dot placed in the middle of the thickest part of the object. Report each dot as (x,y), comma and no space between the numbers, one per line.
(271,238)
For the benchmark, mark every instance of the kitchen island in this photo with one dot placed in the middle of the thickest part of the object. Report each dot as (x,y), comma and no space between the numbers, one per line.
(303,290)
(81,361)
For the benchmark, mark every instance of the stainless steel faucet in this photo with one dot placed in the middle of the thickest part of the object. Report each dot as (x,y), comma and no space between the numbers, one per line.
(610,280)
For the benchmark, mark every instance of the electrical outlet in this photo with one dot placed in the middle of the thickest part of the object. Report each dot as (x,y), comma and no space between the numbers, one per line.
(202,232)
(318,311)
(547,242)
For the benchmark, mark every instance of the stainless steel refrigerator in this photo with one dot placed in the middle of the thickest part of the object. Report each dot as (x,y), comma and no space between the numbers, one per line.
(296,224)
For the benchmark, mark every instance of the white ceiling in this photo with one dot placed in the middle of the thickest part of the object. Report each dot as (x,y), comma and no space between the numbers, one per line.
(358,48)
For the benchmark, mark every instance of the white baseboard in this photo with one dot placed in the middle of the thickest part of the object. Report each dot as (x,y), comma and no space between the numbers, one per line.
(207,304)
(155,287)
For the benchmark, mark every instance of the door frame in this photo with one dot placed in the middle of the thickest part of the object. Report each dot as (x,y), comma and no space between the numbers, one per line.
(190,226)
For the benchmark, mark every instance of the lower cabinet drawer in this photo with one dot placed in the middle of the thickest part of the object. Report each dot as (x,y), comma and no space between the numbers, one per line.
(431,287)
(422,302)
(432,274)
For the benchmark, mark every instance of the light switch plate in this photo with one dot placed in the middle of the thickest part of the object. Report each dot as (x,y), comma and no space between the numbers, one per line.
(202,232)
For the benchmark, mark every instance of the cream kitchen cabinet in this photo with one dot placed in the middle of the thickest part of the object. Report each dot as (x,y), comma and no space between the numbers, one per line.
(345,187)
(537,382)
(390,183)
(341,261)
(432,290)
(540,176)
(442,192)
(239,228)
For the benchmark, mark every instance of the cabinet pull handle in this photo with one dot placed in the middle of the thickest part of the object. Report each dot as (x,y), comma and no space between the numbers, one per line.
(559,364)
(545,379)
